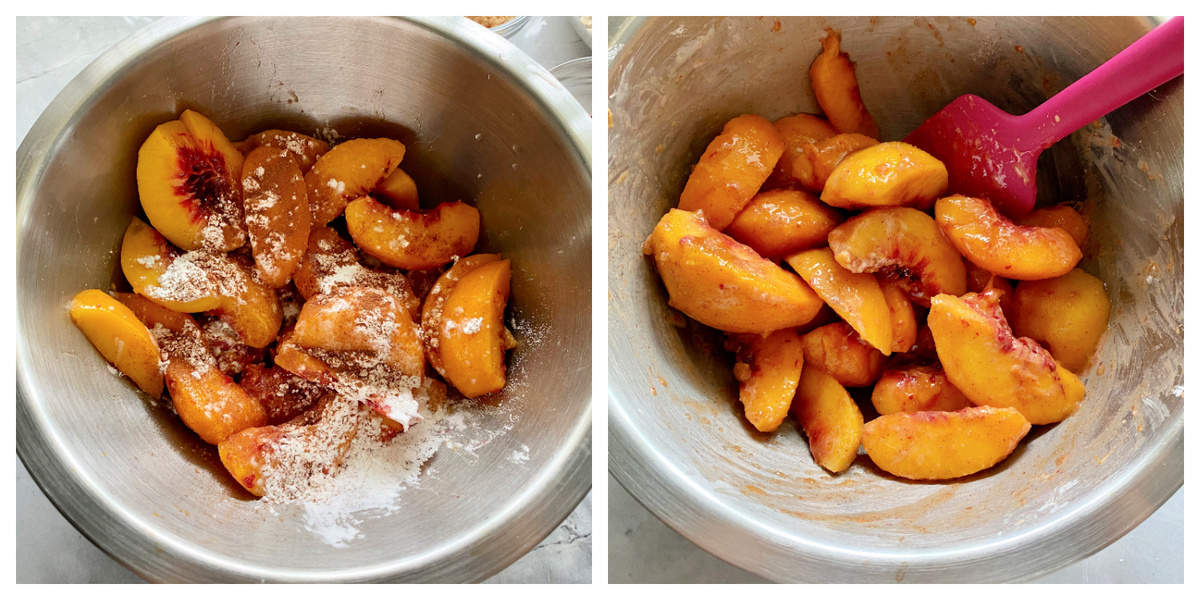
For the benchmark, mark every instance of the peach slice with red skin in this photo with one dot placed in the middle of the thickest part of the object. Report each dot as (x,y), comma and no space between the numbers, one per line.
(398,190)
(187,174)
(364,320)
(301,148)
(161,273)
(771,366)
(836,88)
(721,283)
(902,244)
(732,169)
(780,222)
(916,389)
(120,337)
(991,241)
(1066,314)
(408,239)
(838,351)
(435,304)
(275,204)
(904,319)
(331,262)
(887,174)
(349,170)
(830,419)
(992,367)
(856,297)
(936,445)
(471,336)
(1062,216)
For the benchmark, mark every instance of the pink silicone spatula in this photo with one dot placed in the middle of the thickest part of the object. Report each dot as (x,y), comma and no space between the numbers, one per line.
(992,154)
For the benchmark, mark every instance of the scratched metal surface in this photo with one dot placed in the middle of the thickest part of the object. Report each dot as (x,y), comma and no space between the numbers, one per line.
(677,441)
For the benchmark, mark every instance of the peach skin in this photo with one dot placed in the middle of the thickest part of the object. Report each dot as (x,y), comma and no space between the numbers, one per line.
(991,367)
(732,169)
(916,389)
(943,445)
(471,337)
(992,242)
(1061,216)
(830,419)
(887,174)
(1066,314)
(839,352)
(780,222)
(721,283)
(408,239)
(120,337)
(904,319)
(772,372)
(435,304)
(351,169)
(398,190)
(301,148)
(856,297)
(187,176)
(902,244)
(836,88)
(159,272)
(275,204)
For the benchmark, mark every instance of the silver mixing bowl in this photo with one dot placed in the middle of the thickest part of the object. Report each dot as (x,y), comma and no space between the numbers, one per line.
(481,120)
(677,440)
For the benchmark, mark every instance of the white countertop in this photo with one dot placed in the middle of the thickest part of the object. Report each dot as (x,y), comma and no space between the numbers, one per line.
(50,52)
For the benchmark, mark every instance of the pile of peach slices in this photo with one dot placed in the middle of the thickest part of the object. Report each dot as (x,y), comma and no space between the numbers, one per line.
(879,296)
(258,340)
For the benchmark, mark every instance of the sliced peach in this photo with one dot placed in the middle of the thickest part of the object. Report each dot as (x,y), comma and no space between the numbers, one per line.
(408,239)
(836,88)
(903,244)
(187,174)
(979,280)
(303,149)
(721,283)
(732,169)
(781,222)
(159,319)
(225,343)
(435,304)
(295,360)
(887,174)
(992,242)
(208,401)
(904,319)
(275,203)
(772,368)
(1066,314)
(830,419)
(331,262)
(856,297)
(250,307)
(398,190)
(798,131)
(120,337)
(838,351)
(283,395)
(351,169)
(943,445)
(1062,216)
(363,320)
(916,389)
(815,162)
(158,271)
(247,452)
(991,367)
(471,337)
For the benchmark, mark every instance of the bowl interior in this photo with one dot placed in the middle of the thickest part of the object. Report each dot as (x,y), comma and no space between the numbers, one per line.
(482,124)
(679,441)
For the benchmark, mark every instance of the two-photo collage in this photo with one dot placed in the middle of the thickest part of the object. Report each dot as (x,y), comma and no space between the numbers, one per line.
(599,299)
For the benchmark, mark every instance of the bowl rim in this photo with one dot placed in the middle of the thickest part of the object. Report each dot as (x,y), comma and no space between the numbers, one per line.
(492,545)
(1107,512)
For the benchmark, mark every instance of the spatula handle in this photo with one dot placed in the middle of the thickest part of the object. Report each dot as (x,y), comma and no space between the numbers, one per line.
(1151,61)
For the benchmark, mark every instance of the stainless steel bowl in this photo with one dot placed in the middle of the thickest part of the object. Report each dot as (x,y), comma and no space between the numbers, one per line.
(482,122)
(678,442)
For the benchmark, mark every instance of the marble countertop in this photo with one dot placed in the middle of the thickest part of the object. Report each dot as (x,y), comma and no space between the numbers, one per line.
(50,51)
